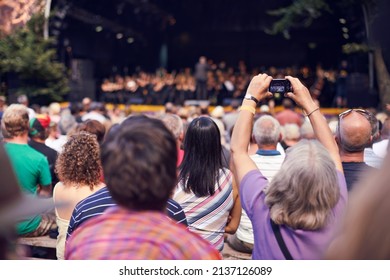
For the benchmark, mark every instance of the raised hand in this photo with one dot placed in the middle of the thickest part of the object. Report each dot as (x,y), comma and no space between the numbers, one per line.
(301,95)
(259,85)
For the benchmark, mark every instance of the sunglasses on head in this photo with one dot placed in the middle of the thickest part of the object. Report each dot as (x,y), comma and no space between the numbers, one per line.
(368,115)
(362,112)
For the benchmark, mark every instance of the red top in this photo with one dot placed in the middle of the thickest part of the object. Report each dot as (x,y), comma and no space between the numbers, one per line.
(289,116)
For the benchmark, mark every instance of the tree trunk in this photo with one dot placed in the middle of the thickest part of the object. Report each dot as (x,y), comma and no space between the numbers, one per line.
(383,78)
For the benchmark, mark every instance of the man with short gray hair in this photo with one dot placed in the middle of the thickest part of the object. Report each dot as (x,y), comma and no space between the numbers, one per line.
(267,134)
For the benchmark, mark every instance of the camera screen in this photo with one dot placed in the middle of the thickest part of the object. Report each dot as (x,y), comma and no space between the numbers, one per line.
(278,88)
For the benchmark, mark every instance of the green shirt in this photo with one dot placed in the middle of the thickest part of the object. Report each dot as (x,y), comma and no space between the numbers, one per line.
(31,169)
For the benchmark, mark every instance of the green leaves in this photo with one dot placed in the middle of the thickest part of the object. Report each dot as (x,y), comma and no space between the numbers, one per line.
(355,48)
(300,13)
(33,59)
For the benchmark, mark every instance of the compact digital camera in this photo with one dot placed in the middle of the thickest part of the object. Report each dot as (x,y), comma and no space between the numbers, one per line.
(280,86)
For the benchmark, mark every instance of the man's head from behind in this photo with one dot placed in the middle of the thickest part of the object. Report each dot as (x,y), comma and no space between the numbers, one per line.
(287,103)
(175,124)
(139,164)
(23,99)
(15,121)
(266,131)
(39,127)
(354,131)
(202,59)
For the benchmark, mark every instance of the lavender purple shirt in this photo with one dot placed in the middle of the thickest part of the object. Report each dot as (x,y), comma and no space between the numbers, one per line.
(302,244)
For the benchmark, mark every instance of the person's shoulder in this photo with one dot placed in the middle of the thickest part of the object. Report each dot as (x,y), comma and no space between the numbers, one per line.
(225,172)
(255,157)
(251,177)
(50,151)
(43,148)
(355,166)
(99,197)
(172,204)
(369,167)
(34,154)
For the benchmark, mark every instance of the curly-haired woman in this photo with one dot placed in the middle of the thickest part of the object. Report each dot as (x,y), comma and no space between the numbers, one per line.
(79,168)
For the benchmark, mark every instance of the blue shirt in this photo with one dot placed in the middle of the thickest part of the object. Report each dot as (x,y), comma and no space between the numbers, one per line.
(97,203)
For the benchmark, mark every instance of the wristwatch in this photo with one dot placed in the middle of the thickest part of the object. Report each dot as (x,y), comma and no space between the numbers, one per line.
(251,97)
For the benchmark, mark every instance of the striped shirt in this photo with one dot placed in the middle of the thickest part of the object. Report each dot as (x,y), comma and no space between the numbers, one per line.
(97,203)
(207,215)
(121,234)
(269,162)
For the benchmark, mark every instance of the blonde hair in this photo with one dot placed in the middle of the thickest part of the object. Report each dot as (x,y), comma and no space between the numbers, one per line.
(54,108)
(304,191)
(15,120)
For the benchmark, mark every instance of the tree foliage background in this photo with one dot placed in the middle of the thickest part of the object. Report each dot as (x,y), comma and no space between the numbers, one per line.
(27,55)
(302,13)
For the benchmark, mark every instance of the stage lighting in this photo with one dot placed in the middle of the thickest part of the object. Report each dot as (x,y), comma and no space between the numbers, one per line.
(342,21)
(119,36)
(99,28)
(130,40)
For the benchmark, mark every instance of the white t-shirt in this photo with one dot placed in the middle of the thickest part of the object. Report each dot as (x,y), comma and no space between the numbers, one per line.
(269,166)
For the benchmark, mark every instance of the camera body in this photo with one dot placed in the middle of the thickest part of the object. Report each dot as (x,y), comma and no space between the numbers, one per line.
(281,86)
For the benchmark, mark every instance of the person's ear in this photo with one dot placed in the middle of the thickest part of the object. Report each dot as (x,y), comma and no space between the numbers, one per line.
(337,139)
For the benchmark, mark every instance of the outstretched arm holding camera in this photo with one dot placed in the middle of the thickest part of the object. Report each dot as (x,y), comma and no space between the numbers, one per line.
(302,97)
(258,88)
(242,163)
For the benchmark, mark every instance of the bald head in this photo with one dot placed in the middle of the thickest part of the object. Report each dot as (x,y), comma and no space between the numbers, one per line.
(354,133)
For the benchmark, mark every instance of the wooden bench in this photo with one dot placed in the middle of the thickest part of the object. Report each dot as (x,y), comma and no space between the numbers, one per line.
(39,248)
(228,253)
(41,241)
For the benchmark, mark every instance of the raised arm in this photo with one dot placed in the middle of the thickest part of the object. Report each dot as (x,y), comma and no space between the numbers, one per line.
(302,97)
(242,163)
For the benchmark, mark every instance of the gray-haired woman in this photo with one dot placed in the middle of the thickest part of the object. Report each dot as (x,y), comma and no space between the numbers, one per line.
(306,198)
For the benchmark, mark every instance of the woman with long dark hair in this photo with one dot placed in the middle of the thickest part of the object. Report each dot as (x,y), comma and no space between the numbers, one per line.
(206,190)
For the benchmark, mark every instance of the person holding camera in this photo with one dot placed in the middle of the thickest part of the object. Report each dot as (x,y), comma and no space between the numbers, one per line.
(295,215)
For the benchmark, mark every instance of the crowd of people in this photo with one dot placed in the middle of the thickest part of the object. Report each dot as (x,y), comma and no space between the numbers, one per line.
(184,182)
(218,83)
